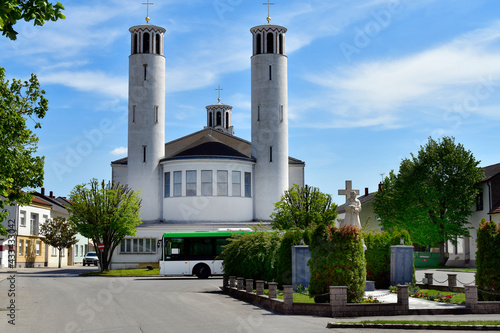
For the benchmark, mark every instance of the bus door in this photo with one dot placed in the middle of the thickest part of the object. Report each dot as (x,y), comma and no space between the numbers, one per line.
(176,259)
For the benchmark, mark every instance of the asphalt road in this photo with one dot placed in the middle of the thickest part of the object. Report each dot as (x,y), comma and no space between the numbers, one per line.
(51,300)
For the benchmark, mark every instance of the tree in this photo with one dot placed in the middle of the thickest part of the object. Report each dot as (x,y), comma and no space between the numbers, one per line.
(18,144)
(38,11)
(105,213)
(58,233)
(432,195)
(303,208)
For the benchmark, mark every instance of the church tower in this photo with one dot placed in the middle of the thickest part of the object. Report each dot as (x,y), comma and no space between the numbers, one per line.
(146,121)
(269,117)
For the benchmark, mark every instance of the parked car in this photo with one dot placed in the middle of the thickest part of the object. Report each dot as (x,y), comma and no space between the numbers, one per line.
(90,258)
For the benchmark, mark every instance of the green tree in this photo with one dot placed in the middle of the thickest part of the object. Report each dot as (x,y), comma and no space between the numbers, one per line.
(18,144)
(58,233)
(432,195)
(303,208)
(38,11)
(105,213)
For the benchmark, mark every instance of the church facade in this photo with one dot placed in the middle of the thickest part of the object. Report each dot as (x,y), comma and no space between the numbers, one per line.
(209,179)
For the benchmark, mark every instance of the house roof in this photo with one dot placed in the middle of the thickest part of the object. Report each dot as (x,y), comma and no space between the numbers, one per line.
(491,171)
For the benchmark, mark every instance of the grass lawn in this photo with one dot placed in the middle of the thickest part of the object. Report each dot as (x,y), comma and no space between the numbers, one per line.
(125,272)
(424,322)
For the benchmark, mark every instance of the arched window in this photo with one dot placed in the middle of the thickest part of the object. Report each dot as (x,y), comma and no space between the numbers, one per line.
(259,44)
(227,119)
(270,42)
(281,44)
(145,42)
(219,119)
(210,122)
(157,44)
(134,44)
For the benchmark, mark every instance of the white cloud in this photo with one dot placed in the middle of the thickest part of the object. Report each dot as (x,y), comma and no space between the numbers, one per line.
(119,151)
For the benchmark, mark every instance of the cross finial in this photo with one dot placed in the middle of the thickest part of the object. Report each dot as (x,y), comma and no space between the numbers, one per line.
(147,10)
(348,190)
(219,89)
(268,3)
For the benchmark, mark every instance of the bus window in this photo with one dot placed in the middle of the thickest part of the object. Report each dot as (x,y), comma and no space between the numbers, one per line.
(174,248)
(219,245)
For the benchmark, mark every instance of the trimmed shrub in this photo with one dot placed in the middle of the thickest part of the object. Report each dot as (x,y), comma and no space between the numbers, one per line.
(337,259)
(488,260)
(284,259)
(252,256)
(378,255)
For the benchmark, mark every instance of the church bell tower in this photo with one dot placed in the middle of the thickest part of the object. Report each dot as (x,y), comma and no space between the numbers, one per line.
(269,117)
(146,119)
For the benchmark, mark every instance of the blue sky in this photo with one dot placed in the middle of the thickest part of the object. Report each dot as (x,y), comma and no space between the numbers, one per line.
(369,80)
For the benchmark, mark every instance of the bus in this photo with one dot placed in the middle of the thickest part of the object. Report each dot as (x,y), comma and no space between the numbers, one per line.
(194,253)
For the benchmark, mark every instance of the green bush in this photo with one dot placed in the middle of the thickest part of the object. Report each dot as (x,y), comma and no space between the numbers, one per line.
(378,255)
(284,259)
(252,256)
(488,260)
(337,259)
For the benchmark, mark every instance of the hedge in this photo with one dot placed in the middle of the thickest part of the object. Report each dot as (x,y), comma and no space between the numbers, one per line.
(337,259)
(284,259)
(488,260)
(378,255)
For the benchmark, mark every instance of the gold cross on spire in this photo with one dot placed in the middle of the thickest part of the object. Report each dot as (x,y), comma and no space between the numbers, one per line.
(147,10)
(268,4)
(219,89)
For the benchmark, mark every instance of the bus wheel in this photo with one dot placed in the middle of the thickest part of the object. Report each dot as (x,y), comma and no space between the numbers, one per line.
(202,271)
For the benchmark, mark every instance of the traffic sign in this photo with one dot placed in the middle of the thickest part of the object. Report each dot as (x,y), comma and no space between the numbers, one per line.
(100,246)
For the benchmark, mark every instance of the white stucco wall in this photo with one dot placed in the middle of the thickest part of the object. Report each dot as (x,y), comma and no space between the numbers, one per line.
(208,208)
(295,175)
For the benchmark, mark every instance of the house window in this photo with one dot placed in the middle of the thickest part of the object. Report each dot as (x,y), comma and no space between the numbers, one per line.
(221,182)
(177,183)
(248,184)
(138,245)
(34,224)
(167,185)
(23,218)
(37,248)
(76,251)
(21,246)
(236,188)
(81,250)
(206,183)
(479,201)
(45,218)
(27,247)
(191,183)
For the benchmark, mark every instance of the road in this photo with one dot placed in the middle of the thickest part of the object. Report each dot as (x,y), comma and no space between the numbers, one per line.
(51,300)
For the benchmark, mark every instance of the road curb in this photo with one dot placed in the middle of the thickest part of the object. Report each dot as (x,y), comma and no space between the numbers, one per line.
(416,326)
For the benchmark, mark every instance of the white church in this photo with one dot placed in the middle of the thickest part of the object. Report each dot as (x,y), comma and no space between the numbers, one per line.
(209,179)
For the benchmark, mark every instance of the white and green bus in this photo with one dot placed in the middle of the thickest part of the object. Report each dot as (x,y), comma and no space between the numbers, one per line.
(194,253)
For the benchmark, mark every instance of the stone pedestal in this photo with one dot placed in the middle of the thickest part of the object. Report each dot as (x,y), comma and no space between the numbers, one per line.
(300,271)
(401,264)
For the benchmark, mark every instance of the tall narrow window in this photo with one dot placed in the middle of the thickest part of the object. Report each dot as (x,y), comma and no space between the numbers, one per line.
(281,113)
(145,71)
(259,44)
(133,113)
(191,183)
(227,119)
(177,183)
(206,183)
(167,185)
(479,201)
(281,44)
(134,44)
(37,248)
(157,44)
(236,188)
(218,121)
(23,218)
(222,182)
(270,42)
(34,224)
(210,122)
(145,42)
(248,184)
(270,72)
(21,247)
(156,114)
(270,154)
(258,112)
(144,151)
